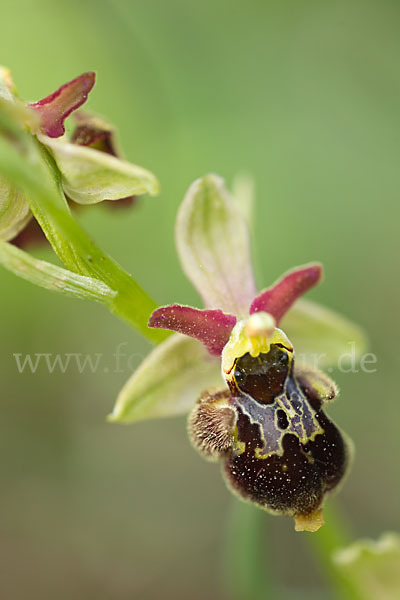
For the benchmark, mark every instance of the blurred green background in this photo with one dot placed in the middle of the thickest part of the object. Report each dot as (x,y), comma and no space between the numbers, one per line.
(305,97)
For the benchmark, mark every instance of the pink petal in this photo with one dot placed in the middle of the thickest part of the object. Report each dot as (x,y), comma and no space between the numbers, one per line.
(211,327)
(277,299)
(54,109)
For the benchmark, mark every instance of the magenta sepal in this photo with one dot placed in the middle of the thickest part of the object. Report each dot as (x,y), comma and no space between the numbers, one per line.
(277,299)
(54,109)
(211,327)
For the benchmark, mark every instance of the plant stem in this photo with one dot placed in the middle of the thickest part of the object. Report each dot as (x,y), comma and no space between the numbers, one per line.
(332,536)
(246,572)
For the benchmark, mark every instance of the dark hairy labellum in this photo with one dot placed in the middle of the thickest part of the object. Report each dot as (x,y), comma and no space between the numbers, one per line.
(278,448)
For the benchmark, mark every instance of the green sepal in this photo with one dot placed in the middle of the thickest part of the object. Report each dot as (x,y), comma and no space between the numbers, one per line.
(243,192)
(321,336)
(90,176)
(212,239)
(168,382)
(14,210)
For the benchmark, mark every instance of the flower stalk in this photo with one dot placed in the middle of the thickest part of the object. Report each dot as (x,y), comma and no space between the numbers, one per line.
(247,575)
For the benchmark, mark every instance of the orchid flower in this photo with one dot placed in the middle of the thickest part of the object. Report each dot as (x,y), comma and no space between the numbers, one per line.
(257,412)
(89,164)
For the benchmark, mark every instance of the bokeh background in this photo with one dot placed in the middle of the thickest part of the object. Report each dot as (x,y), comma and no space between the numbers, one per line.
(305,97)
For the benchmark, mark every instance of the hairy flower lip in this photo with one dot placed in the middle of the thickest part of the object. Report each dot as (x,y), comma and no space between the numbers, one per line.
(56,107)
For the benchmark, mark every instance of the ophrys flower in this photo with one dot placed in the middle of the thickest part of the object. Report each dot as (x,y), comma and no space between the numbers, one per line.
(266,424)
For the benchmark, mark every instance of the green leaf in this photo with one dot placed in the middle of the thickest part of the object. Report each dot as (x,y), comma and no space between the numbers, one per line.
(372,567)
(213,245)
(52,277)
(90,176)
(168,382)
(321,336)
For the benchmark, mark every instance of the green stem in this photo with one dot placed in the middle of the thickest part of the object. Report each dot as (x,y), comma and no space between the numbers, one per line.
(332,536)
(246,572)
